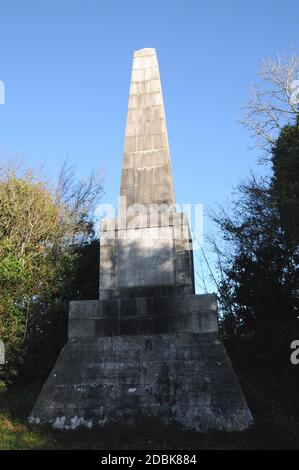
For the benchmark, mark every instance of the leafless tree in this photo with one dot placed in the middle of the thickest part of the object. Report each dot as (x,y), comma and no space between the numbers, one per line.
(80,195)
(274,101)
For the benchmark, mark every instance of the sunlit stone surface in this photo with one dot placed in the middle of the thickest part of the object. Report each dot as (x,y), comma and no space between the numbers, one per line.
(149,346)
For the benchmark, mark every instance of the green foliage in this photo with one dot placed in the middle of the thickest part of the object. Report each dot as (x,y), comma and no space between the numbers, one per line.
(85,283)
(285,181)
(47,327)
(41,242)
(259,284)
(3,388)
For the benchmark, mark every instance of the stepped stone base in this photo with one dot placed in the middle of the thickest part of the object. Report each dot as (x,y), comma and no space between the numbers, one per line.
(184,377)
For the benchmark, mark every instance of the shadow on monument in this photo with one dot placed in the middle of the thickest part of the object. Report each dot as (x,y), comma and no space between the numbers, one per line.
(148,347)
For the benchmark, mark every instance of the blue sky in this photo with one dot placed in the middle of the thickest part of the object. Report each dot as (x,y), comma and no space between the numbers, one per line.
(66,65)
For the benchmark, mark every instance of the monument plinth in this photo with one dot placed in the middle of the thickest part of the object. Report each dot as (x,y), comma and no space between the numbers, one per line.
(149,346)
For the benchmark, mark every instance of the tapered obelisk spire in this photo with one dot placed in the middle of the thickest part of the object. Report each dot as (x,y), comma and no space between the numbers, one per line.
(146,174)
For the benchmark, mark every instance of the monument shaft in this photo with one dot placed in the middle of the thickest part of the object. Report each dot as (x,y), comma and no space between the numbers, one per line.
(146,173)
(129,259)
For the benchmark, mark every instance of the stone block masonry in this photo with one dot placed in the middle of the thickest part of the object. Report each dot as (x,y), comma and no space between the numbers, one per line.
(183,378)
(148,346)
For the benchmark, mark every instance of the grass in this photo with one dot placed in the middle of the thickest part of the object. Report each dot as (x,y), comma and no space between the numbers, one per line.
(16,436)
(269,432)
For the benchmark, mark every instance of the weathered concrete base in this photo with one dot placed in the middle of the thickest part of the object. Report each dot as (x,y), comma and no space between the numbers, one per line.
(184,378)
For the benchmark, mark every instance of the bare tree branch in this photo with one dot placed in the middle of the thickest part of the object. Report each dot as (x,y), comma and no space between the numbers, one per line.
(80,195)
(274,101)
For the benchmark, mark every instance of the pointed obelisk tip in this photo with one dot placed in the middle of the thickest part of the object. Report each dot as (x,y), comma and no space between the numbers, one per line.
(144,52)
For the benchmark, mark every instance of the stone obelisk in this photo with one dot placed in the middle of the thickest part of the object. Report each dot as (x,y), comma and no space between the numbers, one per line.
(146,172)
(148,346)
